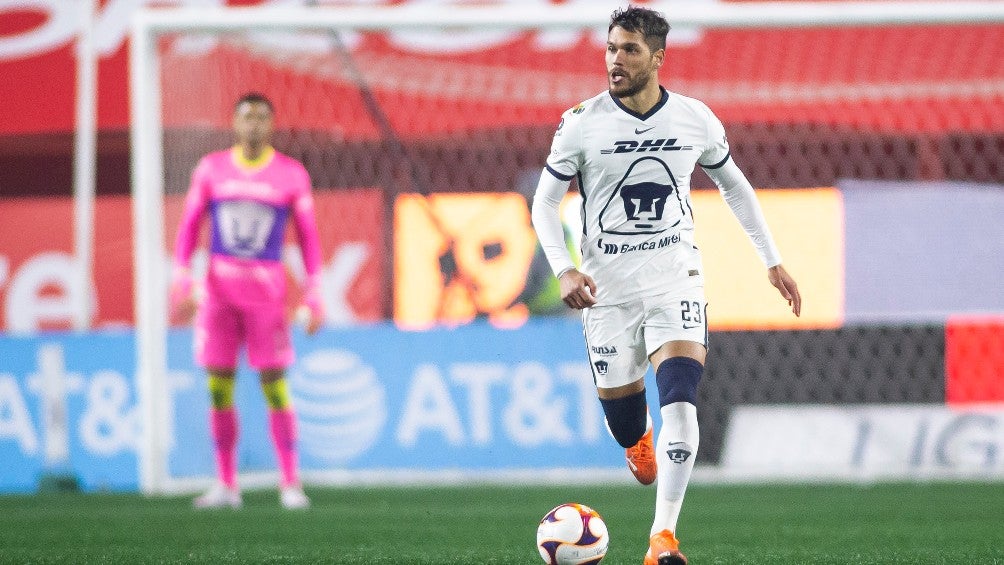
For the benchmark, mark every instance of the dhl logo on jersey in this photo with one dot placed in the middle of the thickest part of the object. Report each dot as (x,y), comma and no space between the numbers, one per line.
(632,146)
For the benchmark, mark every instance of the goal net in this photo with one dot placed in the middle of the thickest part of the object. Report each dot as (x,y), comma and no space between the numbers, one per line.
(425,127)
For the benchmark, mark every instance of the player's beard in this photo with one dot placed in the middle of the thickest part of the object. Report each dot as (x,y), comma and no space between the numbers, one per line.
(630,85)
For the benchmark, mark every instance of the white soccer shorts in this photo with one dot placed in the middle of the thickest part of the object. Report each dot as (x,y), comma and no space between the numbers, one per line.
(619,338)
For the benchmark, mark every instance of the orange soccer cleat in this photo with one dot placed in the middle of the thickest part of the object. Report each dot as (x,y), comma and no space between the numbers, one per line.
(664,549)
(641,459)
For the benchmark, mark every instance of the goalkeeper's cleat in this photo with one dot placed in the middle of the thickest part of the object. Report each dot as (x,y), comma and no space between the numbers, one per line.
(293,498)
(664,549)
(219,496)
(641,459)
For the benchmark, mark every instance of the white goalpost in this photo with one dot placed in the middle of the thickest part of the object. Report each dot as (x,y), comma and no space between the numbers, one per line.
(162,138)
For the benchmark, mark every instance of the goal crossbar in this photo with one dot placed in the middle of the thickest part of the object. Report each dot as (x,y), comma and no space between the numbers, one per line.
(741,15)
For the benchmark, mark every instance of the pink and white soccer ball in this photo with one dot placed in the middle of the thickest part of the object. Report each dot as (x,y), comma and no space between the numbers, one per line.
(572,534)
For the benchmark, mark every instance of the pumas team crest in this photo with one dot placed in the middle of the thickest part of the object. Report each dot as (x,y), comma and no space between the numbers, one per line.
(646,200)
(678,455)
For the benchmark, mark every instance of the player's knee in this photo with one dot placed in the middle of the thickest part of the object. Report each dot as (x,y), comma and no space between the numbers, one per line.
(627,417)
(677,379)
(221,390)
(277,394)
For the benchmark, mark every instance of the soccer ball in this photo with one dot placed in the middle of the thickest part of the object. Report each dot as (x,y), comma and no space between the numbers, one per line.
(572,534)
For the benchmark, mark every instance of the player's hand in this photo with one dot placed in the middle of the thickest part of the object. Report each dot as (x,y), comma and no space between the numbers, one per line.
(308,318)
(314,306)
(578,290)
(182,305)
(184,311)
(784,284)
(315,323)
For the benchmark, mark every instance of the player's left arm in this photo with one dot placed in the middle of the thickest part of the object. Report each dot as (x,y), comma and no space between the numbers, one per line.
(305,220)
(742,200)
(716,160)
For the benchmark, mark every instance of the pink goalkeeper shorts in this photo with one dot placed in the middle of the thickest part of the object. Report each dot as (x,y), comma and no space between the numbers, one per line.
(221,328)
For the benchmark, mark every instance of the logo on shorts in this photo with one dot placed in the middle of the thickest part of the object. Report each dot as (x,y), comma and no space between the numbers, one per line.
(601,367)
(604,350)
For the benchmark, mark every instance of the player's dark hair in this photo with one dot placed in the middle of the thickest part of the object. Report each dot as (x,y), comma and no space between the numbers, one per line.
(651,24)
(254,98)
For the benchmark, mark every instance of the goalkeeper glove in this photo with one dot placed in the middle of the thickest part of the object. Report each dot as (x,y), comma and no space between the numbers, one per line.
(313,303)
(180,300)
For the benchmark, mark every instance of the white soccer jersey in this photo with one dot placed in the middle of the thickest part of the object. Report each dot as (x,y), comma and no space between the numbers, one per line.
(634,174)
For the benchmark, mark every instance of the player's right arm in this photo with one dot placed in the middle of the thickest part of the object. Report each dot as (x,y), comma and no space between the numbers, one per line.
(578,290)
(182,301)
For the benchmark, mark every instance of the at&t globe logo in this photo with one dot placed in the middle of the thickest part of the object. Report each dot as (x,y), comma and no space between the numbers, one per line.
(340,404)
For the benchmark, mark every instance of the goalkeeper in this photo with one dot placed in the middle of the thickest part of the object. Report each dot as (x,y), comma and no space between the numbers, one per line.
(248,192)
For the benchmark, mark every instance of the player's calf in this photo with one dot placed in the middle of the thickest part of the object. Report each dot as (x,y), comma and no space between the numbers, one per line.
(629,423)
(627,417)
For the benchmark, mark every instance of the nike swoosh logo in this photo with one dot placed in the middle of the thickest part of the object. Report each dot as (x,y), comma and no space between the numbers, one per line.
(640,131)
(686,327)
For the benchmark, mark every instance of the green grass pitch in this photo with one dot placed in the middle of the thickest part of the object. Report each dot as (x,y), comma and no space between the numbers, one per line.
(475,525)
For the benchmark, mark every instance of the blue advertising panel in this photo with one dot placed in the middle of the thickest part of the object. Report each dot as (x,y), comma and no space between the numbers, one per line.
(469,399)
(473,400)
(68,408)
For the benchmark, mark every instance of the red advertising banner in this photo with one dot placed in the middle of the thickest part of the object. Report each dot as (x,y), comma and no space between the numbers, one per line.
(38,288)
(974,360)
(784,75)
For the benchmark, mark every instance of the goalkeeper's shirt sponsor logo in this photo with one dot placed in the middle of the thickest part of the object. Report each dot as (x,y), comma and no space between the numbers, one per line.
(248,229)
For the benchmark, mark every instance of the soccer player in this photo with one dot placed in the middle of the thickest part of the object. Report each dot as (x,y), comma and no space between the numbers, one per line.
(633,149)
(248,192)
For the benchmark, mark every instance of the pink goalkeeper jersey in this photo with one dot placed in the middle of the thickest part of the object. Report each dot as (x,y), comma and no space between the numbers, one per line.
(248,206)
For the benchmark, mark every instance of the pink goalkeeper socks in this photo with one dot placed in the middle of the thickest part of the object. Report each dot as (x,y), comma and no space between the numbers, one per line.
(223,428)
(282,424)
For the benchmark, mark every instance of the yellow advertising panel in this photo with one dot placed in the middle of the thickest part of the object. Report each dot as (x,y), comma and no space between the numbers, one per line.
(807,225)
(458,256)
